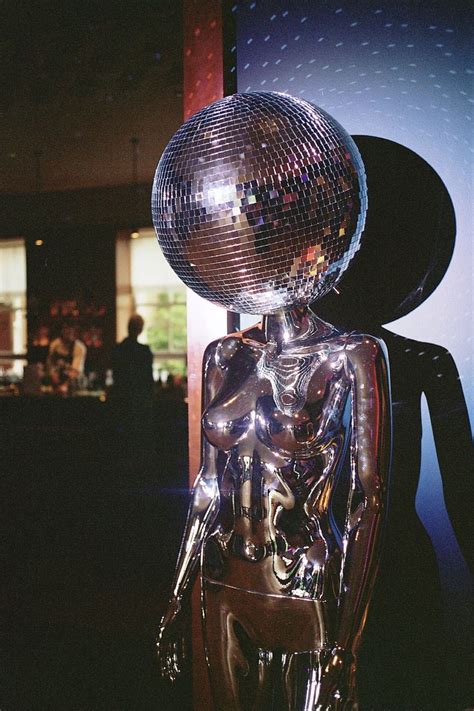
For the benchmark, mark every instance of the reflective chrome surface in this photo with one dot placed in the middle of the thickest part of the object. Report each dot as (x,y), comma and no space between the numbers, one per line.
(259,202)
(289,543)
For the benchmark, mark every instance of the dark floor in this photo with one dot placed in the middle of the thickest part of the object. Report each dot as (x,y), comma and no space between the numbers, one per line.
(89,534)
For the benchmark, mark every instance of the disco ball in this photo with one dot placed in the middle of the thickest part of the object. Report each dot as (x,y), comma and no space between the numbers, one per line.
(259,201)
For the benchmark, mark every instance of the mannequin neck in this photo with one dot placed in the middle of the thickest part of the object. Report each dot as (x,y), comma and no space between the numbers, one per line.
(297,324)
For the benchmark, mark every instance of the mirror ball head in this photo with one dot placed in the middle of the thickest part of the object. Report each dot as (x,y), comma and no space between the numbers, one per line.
(259,202)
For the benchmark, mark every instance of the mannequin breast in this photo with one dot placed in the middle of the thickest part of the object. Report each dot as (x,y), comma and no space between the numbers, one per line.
(269,411)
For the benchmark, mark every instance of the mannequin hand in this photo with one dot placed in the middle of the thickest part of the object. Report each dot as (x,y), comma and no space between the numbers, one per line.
(337,688)
(171,641)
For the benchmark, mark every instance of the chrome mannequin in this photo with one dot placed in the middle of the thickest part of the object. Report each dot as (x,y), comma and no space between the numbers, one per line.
(259,203)
(283,401)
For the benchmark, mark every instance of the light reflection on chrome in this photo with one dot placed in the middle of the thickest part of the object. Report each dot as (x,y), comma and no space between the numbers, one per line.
(259,204)
(288,538)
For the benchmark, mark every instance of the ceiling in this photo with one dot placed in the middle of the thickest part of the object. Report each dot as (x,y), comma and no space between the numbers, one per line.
(79,80)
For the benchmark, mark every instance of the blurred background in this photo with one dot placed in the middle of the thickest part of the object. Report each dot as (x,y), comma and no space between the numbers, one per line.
(91,92)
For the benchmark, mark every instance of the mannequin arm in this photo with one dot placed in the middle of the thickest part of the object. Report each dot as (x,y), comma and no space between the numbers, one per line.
(201,516)
(370,462)
(202,512)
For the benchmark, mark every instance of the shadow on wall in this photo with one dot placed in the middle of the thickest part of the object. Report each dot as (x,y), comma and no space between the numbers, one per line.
(407,246)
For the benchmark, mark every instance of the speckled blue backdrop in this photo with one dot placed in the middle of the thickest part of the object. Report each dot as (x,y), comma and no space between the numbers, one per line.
(401,71)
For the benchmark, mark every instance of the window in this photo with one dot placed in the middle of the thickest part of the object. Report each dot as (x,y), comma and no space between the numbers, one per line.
(148,286)
(12,305)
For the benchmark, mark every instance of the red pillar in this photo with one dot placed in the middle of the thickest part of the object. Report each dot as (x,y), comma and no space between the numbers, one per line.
(203,83)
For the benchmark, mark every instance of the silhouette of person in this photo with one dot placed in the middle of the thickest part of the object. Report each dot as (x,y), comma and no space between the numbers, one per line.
(132,366)
(410,229)
(174,387)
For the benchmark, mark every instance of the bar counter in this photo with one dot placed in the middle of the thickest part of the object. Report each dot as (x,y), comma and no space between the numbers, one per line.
(87,418)
(90,532)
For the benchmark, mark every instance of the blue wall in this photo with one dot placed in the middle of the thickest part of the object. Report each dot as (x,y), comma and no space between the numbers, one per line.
(399,71)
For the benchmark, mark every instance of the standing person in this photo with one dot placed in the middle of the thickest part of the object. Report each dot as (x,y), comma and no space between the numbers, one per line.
(66,358)
(132,365)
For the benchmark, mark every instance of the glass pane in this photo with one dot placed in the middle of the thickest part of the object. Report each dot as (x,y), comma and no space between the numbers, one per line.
(148,265)
(12,267)
(165,365)
(160,298)
(13,296)
(157,330)
(177,315)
